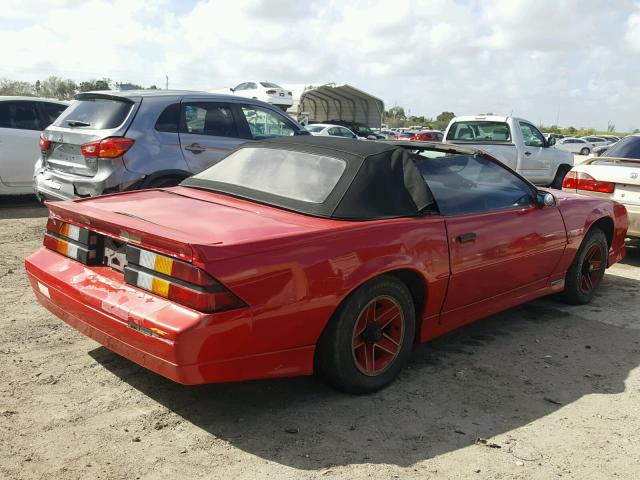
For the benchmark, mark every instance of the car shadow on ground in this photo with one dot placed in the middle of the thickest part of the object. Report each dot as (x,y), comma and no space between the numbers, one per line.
(21,206)
(485,379)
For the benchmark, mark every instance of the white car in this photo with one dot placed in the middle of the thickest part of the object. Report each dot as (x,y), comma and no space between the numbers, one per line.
(597,141)
(615,176)
(326,129)
(265,91)
(575,145)
(21,121)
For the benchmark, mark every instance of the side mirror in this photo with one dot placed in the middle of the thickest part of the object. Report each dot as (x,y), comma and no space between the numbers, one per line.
(233,90)
(551,141)
(545,199)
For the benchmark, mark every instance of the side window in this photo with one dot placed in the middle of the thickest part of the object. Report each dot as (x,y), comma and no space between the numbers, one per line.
(265,124)
(207,118)
(463,184)
(169,119)
(334,132)
(242,86)
(52,111)
(531,135)
(19,115)
(251,86)
(346,133)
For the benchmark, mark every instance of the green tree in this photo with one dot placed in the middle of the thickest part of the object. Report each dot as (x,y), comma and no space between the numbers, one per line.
(94,85)
(56,87)
(443,120)
(14,87)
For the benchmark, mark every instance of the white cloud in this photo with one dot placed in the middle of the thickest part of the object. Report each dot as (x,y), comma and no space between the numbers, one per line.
(467,56)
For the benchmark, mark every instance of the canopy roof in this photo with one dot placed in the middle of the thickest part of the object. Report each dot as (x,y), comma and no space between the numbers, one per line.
(341,102)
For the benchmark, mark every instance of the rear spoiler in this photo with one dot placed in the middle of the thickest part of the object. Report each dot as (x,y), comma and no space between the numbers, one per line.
(105,96)
(614,160)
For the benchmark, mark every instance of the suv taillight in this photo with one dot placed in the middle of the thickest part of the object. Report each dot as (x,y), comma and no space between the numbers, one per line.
(585,182)
(111,147)
(44,143)
(178,281)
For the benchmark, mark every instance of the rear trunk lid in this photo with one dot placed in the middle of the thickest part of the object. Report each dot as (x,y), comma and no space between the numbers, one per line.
(178,221)
(624,172)
(91,117)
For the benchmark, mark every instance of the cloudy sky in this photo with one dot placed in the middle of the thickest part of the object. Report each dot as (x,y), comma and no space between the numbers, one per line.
(578,61)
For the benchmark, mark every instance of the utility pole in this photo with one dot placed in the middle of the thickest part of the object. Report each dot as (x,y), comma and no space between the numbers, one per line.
(166,83)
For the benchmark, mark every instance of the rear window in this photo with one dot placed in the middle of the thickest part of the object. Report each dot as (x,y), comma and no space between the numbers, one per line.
(480,131)
(628,147)
(295,175)
(95,113)
(269,85)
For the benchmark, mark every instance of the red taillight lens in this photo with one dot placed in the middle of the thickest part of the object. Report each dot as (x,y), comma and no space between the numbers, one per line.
(271,92)
(570,181)
(44,143)
(585,182)
(72,241)
(111,147)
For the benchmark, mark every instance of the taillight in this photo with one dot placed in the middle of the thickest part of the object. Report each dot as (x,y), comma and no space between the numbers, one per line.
(111,147)
(585,182)
(289,93)
(271,92)
(178,281)
(44,143)
(72,241)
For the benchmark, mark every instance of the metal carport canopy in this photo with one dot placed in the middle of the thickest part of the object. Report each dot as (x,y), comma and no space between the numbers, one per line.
(341,102)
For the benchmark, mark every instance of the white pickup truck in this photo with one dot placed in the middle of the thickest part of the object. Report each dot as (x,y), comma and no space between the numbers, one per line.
(515,142)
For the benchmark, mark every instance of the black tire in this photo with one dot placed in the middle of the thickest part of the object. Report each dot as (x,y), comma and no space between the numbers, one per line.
(583,277)
(560,174)
(164,182)
(584,151)
(342,363)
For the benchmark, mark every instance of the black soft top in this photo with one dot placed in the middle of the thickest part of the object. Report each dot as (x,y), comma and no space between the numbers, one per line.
(380,180)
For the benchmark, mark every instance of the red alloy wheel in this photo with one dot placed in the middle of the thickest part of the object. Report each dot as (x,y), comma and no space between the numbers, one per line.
(378,335)
(591,272)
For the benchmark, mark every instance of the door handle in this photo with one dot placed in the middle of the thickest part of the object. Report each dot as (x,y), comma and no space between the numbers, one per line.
(527,153)
(466,237)
(195,148)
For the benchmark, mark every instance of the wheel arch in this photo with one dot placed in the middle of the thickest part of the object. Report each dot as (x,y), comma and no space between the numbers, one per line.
(155,176)
(606,225)
(411,277)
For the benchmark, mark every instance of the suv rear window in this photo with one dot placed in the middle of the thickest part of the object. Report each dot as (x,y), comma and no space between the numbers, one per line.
(95,113)
(480,131)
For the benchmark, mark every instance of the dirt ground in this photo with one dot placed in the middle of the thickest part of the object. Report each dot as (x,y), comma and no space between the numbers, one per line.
(542,391)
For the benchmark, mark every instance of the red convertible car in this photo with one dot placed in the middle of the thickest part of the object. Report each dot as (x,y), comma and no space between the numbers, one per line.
(312,254)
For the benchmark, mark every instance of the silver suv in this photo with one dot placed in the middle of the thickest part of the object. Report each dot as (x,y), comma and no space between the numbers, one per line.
(115,141)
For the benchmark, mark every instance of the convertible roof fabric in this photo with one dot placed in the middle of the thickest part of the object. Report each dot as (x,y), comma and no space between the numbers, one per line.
(380,180)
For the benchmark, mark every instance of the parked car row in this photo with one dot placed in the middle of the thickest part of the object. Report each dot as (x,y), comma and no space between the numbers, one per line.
(21,121)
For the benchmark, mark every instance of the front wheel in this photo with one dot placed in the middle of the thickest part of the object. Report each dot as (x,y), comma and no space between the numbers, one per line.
(587,270)
(584,151)
(370,337)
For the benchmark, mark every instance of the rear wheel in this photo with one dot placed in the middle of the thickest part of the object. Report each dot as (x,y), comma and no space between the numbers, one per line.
(560,174)
(587,269)
(584,151)
(370,337)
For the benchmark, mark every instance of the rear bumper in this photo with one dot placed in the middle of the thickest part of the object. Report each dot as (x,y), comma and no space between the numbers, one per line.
(633,211)
(50,184)
(194,348)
